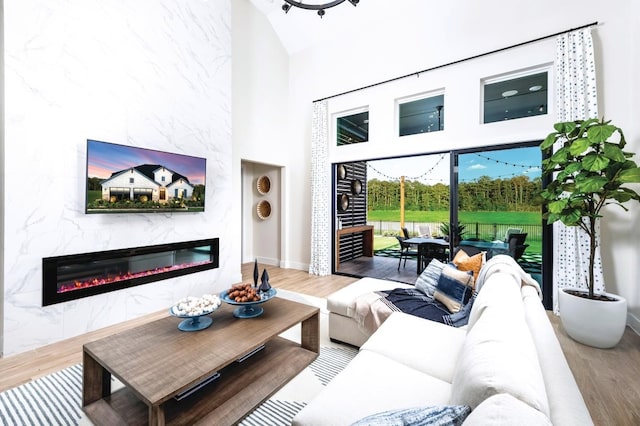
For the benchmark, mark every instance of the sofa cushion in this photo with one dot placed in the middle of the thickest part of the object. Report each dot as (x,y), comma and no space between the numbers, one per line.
(454,287)
(369,384)
(474,263)
(502,291)
(429,347)
(566,403)
(505,410)
(343,301)
(499,356)
(441,415)
(428,279)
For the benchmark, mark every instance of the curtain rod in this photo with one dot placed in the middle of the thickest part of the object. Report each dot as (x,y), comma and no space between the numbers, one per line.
(417,73)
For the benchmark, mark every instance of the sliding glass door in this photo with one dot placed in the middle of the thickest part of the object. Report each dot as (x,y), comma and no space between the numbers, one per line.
(496,192)
(475,198)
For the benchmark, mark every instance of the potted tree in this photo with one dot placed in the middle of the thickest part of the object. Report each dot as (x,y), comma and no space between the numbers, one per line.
(589,170)
(455,231)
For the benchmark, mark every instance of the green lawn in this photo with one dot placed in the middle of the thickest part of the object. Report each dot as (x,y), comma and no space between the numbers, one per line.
(380,242)
(483,218)
(524,218)
(94,195)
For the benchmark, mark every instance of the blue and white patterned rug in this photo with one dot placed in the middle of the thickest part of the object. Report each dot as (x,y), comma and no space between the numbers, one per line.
(56,399)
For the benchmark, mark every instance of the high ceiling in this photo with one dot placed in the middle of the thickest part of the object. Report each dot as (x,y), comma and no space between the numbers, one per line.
(299,29)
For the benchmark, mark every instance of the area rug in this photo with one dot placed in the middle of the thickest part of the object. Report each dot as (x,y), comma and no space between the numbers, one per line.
(56,399)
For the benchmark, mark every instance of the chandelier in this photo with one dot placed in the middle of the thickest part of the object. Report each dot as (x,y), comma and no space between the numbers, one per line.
(319,7)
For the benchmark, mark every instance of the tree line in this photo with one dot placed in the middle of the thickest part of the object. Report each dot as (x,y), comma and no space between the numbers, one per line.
(518,193)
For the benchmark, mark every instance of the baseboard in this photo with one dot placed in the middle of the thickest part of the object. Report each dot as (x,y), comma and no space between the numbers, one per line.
(633,322)
(294,265)
(267,261)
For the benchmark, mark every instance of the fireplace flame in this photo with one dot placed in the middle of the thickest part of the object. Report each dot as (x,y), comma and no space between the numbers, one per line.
(98,281)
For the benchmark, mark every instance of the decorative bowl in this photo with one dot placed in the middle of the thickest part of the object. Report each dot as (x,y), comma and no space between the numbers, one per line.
(248,309)
(195,319)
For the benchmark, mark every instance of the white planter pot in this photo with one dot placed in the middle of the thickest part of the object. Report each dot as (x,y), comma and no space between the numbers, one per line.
(594,323)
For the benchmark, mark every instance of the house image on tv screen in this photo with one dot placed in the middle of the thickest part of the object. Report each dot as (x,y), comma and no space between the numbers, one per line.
(147,182)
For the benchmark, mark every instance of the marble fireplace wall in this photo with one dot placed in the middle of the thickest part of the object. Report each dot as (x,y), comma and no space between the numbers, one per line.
(154,74)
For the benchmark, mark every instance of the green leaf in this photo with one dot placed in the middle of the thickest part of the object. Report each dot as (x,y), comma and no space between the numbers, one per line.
(601,132)
(571,219)
(565,127)
(590,122)
(567,187)
(629,175)
(547,166)
(613,152)
(621,196)
(551,217)
(594,162)
(591,184)
(573,168)
(548,141)
(558,206)
(560,156)
(578,146)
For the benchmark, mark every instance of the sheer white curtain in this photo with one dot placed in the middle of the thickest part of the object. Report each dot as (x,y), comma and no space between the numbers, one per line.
(576,99)
(320,189)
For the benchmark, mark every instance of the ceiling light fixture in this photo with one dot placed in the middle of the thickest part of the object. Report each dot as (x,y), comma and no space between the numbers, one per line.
(319,7)
(509,93)
(535,88)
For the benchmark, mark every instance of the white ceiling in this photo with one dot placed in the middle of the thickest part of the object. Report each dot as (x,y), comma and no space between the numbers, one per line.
(300,29)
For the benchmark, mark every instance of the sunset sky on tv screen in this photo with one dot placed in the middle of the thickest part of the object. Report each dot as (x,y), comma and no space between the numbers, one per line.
(104,158)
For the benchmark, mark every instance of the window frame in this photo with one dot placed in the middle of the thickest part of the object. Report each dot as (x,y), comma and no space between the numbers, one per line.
(414,98)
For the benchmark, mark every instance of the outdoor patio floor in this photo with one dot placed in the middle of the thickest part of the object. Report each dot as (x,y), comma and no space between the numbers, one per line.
(384,265)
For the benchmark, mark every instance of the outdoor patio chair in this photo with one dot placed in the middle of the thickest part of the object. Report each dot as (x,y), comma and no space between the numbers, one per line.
(434,251)
(406,251)
(517,246)
(510,231)
(405,233)
(425,231)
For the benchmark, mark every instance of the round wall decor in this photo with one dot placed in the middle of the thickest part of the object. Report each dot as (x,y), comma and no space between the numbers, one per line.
(342,171)
(343,202)
(356,186)
(264,185)
(264,209)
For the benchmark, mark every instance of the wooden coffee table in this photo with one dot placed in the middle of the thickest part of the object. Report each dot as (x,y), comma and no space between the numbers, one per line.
(157,362)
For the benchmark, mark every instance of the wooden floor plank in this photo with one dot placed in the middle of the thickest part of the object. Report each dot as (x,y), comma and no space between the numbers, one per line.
(608,378)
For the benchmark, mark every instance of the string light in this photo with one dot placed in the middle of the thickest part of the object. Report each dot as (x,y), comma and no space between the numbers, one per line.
(422,176)
(524,166)
(442,157)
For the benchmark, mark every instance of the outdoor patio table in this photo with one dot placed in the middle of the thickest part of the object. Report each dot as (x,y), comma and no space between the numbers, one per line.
(495,247)
(422,244)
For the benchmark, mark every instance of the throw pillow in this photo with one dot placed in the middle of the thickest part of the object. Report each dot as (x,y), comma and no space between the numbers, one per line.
(446,415)
(474,263)
(454,287)
(428,279)
(460,318)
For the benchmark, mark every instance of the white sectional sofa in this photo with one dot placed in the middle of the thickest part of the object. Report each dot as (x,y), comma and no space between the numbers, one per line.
(506,366)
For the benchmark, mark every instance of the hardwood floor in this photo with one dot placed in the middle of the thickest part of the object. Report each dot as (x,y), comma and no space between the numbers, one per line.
(18,369)
(608,378)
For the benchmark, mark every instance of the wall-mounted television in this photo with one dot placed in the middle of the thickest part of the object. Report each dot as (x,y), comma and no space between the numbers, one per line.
(126,179)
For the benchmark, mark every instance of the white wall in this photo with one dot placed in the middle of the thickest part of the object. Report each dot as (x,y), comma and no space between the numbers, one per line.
(153,74)
(415,35)
(261,238)
(2,189)
(261,126)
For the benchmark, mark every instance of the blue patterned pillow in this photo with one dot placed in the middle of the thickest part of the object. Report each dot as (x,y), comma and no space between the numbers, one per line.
(454,287)
(445,415)
(428,279)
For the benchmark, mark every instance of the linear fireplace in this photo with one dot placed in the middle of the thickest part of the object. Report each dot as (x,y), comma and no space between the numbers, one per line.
(71,277)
